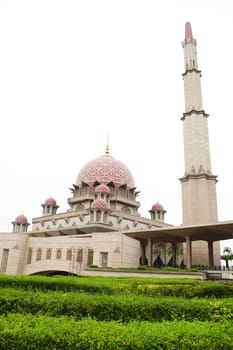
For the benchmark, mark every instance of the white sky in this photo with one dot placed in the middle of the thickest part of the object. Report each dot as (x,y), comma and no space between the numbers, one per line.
(70,71)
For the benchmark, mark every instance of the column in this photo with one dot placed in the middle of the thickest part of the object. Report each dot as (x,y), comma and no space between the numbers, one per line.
(174,254)
(211,254)
(188,253)
(143,250)
(149,245)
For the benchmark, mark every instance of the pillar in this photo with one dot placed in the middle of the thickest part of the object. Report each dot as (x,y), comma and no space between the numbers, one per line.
(211,254)
(143,250)
(149,245)
(188,253)
(174,254)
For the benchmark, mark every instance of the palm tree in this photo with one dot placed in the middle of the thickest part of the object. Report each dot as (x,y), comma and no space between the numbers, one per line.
(227,255)
(157,252)
(180,254)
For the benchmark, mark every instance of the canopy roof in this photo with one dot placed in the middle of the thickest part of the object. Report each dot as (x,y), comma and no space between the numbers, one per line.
(177,234)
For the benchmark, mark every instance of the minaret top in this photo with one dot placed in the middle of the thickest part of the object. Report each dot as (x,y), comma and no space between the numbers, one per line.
(189,45)
(188,31)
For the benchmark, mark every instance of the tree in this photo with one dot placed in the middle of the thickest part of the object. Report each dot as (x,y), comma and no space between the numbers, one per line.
(227,255)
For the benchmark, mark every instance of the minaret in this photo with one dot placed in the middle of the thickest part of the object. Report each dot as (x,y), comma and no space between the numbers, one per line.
(199,200)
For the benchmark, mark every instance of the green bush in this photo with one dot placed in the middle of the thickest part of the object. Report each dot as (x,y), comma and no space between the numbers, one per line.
(123,308)
(114,285)
(114,313)
(45,333)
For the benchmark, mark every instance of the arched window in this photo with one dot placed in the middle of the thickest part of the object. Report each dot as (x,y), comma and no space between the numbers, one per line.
(48,253)
(69,254)
(79,206)
(58,254)
(29,257)
(38,254)
(98,215)
(79,256)
(104,259)
(90,255)
(85,190)
(122,191)
(125,210)
(131,194)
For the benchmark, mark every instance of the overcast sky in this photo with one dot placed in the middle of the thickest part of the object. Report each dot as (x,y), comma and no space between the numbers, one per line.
(70,71)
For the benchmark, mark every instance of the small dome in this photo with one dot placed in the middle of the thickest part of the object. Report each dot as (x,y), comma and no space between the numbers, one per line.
(21,219)
(157,206)
(99,204)
(102,188)
(50,201)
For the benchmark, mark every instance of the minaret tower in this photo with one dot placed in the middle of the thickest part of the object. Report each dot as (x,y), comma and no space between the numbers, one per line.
(199,200)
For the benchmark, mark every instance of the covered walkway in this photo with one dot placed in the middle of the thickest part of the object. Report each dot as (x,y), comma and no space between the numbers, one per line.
(184,234)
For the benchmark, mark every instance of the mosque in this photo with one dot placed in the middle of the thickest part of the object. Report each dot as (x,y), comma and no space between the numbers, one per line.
(102,225)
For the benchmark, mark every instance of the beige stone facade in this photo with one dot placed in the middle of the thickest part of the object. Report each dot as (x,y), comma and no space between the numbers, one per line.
(104,207)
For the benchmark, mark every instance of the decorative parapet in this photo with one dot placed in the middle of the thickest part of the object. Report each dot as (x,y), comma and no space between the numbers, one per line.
(194,111)
(187,177)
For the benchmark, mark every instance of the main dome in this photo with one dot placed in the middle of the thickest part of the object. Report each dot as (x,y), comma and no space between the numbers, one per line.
(106,169)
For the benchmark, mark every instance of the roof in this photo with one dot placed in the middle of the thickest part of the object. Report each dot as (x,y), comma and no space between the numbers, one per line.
(177,234)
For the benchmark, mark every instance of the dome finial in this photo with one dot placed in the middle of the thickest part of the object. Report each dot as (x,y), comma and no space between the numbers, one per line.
(107,146)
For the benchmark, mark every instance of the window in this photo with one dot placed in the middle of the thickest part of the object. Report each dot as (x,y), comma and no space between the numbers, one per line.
(105,217)
(125,210)
(104,259)
(85,190)
(79,207)
(80,256)
(131,194)
(98,215)
(58,254)
(29,257)
(5,255)
(38,254)
(90,257)
(69,254)
(122,191)
(48,253)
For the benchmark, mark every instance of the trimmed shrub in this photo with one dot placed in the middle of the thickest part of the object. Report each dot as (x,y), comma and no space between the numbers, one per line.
(123,308)
(45,333)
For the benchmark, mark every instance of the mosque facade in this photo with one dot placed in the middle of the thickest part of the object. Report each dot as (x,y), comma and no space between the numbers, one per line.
(104,208)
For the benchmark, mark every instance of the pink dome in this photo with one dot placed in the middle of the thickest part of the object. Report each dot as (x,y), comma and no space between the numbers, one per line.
(99,203)
(157,206)
(21,219)
(50,201)
(105,169)
(102,188)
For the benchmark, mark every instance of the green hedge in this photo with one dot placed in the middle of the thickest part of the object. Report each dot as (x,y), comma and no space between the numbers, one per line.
(45,333)
(86,283)
(200,290)
(57,283)
(123,308)
(108,285)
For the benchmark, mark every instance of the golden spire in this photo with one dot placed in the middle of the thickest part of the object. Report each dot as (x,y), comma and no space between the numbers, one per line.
(107,146)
